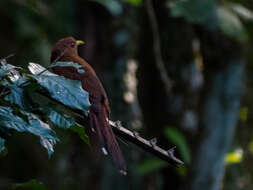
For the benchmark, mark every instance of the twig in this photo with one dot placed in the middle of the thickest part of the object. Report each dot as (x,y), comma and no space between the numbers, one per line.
(157,47)
(147,145)
(52,64)
(47,68)
(7,57)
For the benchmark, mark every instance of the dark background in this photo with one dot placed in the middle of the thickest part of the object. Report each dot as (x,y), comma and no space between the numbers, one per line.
(177,70)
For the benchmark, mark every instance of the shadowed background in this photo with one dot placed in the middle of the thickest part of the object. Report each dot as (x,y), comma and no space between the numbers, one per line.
(176,70)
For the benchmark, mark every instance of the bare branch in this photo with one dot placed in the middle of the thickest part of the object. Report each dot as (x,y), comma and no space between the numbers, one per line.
(157,47)
(146,145)
(52,64)
(3,60)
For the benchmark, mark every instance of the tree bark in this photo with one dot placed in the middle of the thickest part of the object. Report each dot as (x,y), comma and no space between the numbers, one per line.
(224,66)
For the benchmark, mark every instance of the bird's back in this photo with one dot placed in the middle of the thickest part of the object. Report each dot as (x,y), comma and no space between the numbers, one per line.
(89,79)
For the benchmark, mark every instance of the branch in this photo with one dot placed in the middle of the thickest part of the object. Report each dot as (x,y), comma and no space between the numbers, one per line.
(147,145)
(133,137)
(157,47)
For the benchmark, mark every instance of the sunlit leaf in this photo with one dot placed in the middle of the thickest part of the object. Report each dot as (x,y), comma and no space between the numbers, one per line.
(178,139)
(151,165)
(78,67)
(6,69)
(48,144)
(68,92)
(36,69)
(31,185)
(234,157)
(243,114)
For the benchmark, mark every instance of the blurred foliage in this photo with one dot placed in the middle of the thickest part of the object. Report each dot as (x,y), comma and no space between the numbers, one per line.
(29,24)
(29,27)
(215,16)
(30,185)
(234,157)
(182,170)
(151,165)
(116,7)
(243,114)
(134,2)
(177,138)
(195,11)
(251,146)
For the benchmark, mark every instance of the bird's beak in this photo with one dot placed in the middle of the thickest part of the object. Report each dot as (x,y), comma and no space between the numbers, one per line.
(79,42)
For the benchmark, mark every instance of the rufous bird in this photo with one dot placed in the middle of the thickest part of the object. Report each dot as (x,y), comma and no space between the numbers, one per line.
(65,50)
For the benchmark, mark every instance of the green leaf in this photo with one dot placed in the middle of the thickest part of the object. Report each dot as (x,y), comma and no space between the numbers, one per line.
(195,11)
(114,7)
(134,2)
(37,69)
(177,138)
(16,96)
(81,132)
(2,147)
(230,24)
(13,83)
(68,92)
(243,113)
(59,120)
(66,122)
(30,185)
(6,69)
(151,165)
(28,122)
(48,144)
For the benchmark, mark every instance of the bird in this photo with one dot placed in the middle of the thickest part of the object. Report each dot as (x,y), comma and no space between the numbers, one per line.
(66,50)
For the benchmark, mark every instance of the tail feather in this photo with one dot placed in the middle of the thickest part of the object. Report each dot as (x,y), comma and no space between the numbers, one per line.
(107,138)
(95,125)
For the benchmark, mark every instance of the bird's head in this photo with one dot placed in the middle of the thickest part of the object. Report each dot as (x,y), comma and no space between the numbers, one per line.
(65,47)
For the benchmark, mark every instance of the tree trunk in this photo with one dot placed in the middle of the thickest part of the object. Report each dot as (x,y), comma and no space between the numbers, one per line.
(222,93)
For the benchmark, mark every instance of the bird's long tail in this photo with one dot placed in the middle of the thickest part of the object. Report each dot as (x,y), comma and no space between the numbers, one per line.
(107,138)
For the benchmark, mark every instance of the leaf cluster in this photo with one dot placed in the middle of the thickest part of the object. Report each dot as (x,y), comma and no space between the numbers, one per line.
(24,110)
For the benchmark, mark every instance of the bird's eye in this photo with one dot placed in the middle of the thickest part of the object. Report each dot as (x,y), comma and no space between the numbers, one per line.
(73,44)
